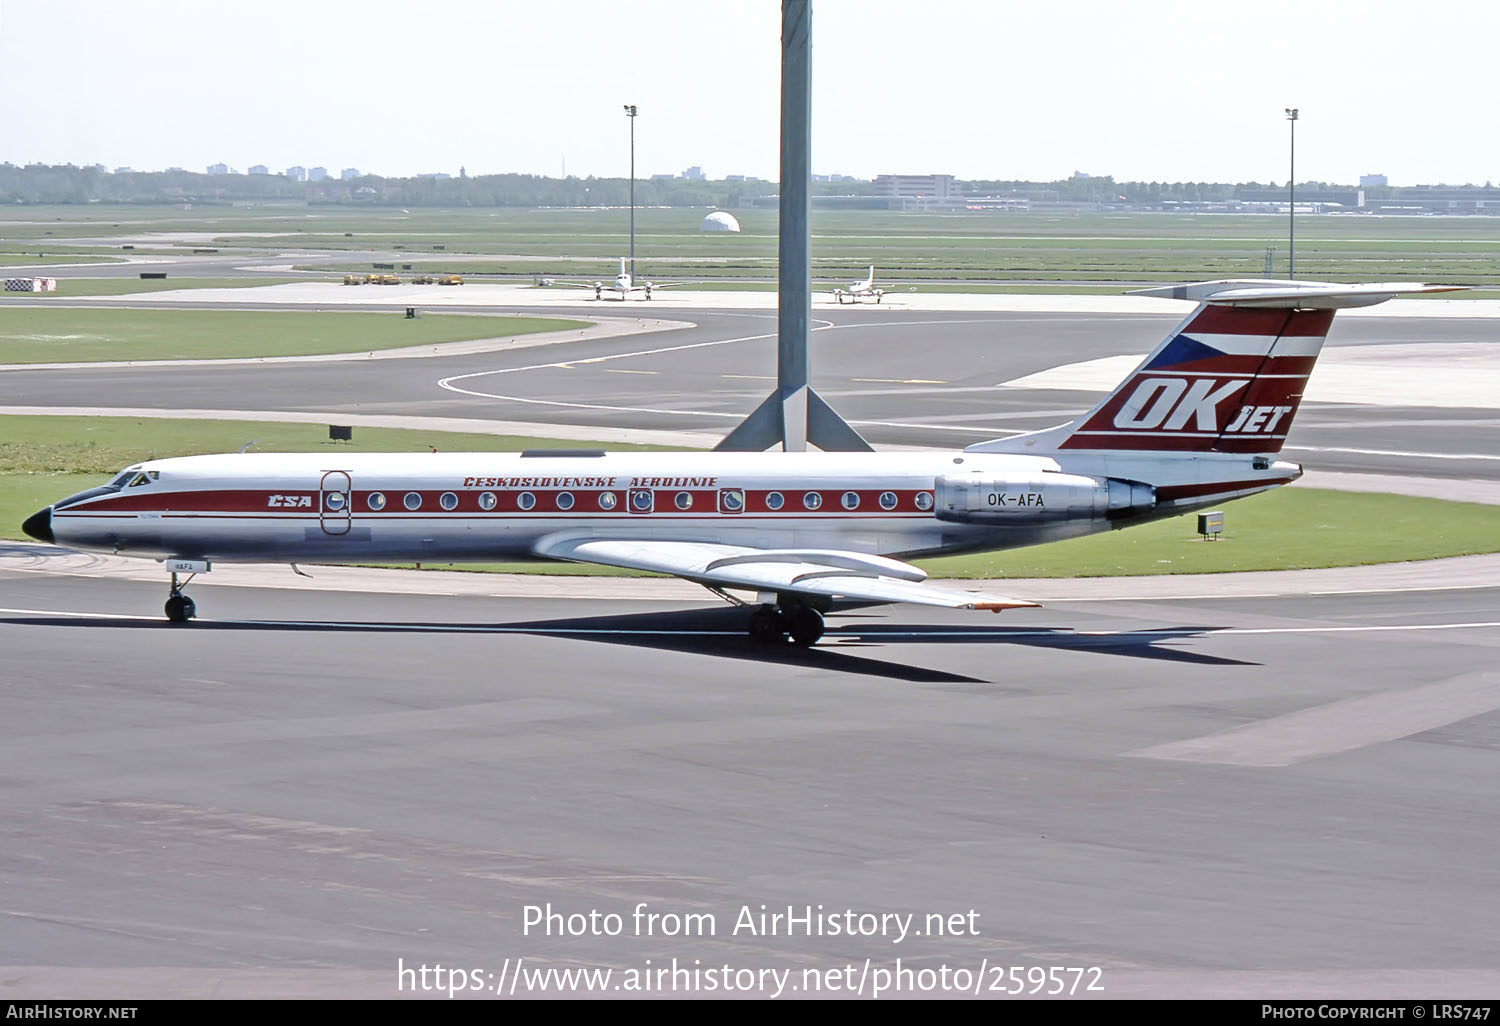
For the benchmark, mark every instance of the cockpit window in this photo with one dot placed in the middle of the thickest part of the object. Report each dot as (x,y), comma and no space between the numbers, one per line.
(141,477)
(119,482)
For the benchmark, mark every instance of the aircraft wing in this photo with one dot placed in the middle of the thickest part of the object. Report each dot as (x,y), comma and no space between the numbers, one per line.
(581,285)
(826,572)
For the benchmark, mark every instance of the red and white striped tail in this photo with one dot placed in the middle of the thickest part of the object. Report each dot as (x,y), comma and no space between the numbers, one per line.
(1231,376)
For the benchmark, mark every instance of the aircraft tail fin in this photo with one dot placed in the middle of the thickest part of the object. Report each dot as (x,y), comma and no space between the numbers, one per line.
(1227,379)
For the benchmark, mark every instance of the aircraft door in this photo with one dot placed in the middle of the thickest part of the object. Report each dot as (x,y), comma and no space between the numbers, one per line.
(335,502)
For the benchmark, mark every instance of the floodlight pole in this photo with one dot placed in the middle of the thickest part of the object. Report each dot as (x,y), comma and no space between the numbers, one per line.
(630,113)
(794,415)
(1291,185)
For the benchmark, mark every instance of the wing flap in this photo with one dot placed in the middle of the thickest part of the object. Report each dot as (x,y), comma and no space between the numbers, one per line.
(826,572)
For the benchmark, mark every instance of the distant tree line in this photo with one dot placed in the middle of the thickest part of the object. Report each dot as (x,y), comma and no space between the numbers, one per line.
(39,183)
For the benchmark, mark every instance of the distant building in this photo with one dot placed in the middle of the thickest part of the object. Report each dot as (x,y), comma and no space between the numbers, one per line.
(123,171)
(834,178)
(296,173)
(317,174)
(100,168)
(349,174)
(920,191)
(1372,182)
(259,169)
(1080,176)
(436,175)
(218,169)
(695,173)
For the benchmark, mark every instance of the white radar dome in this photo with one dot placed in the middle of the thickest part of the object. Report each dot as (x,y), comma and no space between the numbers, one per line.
(719,221)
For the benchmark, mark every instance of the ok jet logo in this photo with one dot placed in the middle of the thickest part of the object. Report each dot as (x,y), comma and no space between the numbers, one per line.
(290,501)
(1170,403)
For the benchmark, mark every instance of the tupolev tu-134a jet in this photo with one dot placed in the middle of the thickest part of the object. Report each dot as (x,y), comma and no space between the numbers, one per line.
(1199,422)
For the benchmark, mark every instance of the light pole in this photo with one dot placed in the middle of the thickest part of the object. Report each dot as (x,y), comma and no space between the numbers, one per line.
(630,113)
(1291,185)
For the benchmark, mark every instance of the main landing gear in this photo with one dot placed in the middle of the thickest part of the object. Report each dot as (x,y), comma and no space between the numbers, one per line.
(180,608)
(770,625)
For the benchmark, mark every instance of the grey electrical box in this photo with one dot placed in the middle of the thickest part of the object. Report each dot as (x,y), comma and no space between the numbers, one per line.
(1211,525)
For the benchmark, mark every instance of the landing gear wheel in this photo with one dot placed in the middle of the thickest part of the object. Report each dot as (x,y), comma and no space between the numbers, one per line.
(767,626)
(180,608)
(805,626)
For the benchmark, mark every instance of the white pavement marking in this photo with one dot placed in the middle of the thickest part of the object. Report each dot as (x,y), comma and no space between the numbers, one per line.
(1341,726)
(449,382)
(325,293)
(1449,375)
(604,327)
(465,425)
(1396,452)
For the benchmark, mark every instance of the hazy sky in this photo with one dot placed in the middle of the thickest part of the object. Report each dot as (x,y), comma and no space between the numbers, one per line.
(1149,89)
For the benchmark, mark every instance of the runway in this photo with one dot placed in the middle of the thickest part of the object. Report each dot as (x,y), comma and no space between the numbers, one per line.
(1239,788)
(399,777)
(902,377)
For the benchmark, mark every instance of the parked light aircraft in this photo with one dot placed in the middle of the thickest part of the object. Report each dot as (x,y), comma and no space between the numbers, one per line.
(622,286)
(1199,422)
(857,290)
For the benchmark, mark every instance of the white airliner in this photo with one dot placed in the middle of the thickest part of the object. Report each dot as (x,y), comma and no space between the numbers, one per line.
(622,286)
(857,290)
(1201,421)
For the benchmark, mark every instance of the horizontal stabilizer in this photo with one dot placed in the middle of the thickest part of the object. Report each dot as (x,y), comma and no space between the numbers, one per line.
(1298,295)
(830,573)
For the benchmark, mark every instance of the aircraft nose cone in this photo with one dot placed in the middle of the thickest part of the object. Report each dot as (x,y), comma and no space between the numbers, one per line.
(39,525)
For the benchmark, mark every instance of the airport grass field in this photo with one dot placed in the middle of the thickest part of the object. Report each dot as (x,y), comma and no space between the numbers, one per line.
(79,287)
(43,459)
(71,335)
(916,248)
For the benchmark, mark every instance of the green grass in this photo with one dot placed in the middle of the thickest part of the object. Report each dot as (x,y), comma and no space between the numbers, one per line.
(967,248)
(1287,529)
(33,259)
(58,335)
(72,287)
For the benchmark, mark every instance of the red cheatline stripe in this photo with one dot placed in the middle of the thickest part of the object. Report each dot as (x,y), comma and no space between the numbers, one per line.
(507,503)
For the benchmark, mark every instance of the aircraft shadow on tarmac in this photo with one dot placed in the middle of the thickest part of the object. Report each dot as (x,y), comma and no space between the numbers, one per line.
(721,632)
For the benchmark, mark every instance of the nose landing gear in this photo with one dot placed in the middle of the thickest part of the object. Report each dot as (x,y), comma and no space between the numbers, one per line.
(180,608)
(770,625)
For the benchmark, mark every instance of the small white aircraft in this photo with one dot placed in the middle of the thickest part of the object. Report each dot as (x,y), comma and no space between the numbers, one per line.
(1199,422)
(622,286)
(857,290)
